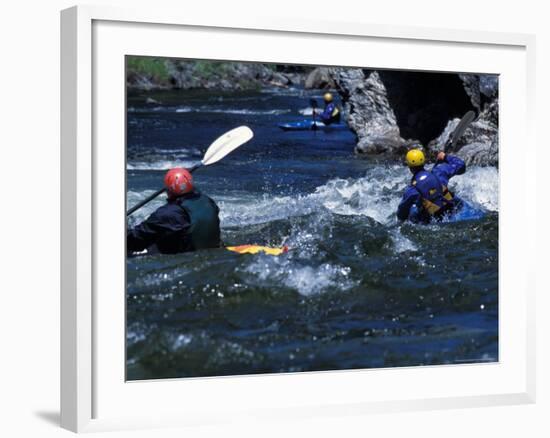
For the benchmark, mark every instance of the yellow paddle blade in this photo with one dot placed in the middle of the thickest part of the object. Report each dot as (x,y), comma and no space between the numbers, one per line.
(255,249)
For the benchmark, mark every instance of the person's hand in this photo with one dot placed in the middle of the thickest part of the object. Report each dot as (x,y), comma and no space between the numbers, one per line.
(441,156)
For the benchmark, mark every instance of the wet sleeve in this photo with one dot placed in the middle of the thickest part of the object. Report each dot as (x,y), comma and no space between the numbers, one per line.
(410,198)
(327,113)
(452,166)
(162,222)
(458,166)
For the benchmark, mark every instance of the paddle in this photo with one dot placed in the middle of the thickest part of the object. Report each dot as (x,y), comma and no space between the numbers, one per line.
(457,133)
(313,104)
(222,146)
(459,130)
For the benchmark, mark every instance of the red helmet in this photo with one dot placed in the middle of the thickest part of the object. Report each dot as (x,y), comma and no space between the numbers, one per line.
(178,181)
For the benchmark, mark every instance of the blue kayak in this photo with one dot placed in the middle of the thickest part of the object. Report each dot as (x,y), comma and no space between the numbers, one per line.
(308,125)
(467,212)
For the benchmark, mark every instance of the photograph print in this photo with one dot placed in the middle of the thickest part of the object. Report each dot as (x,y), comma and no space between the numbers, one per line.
(298,218)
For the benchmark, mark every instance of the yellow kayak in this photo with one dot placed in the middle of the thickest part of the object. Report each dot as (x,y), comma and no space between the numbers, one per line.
(255,249)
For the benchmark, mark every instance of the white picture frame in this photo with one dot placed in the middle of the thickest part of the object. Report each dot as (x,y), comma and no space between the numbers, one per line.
(92,392)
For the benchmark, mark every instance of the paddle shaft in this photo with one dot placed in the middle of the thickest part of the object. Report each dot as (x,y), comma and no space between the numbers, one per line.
(154,195)
(459,130)
(313,103)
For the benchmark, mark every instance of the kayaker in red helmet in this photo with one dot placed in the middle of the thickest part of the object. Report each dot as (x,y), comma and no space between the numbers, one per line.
(188,221)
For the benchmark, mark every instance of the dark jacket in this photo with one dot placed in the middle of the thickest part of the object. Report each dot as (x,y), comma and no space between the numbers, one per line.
(427,196)
(186,223)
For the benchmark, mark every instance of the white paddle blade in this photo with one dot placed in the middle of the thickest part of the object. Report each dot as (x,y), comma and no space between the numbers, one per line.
(226,143)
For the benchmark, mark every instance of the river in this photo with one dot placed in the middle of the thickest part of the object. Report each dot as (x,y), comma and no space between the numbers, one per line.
(357,289)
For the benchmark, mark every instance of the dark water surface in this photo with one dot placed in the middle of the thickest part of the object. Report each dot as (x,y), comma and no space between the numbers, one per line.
(356,290)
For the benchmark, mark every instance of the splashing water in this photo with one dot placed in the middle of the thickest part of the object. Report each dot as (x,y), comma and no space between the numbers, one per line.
(478,187)
(306,280)
(357,289)
(375,195)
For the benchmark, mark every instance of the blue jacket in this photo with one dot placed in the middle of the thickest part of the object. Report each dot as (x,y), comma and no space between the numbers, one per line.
(427,195)
(331,114)
(186,223)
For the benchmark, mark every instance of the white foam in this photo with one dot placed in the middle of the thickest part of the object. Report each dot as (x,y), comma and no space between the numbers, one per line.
(184,109)
(306,280)
(183,152)
(402,243)
(309,281)
(208,110)
(479,186)
(248,112)
(306,111)
(160,164)
(181,340)
(375,195)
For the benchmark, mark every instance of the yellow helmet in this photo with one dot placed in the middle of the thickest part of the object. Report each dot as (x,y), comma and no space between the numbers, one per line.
(327,97)
(415,158)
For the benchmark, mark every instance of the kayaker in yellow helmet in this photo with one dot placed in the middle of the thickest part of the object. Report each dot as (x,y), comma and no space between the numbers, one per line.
(427,197)
(331,112)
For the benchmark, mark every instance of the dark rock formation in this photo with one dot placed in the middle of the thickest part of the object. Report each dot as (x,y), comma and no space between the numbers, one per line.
(479,143)
(368,110)
(481,89)
(143,82)
(390,110)
(319,78)
(424,102)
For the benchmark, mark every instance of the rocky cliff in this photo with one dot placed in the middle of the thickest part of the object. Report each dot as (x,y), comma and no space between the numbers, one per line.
(160,73)
(391,110)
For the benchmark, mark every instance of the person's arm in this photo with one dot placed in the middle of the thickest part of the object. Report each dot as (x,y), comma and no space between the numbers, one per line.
(448,166)
(327,113)
(410,198)
(143,235)
(162,222)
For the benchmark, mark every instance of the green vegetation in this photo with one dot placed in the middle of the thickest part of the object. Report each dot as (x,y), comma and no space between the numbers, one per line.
(208,69)
(167,73)
(153,68)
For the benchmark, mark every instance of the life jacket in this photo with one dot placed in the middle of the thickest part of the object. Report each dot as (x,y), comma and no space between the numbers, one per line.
(204,231)
(436,197)
(334,113)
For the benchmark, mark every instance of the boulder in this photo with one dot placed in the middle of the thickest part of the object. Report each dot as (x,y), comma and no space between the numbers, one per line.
(479,143)
(141,82)
(319,78)
(279,80)
(369,113)
(481,89)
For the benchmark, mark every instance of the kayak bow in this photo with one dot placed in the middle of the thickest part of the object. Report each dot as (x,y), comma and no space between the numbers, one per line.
(309,125)
(255,249)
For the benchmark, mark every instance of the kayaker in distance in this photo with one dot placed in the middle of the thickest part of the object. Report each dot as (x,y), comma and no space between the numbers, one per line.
(187,222)
(427,198)
(331,112)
